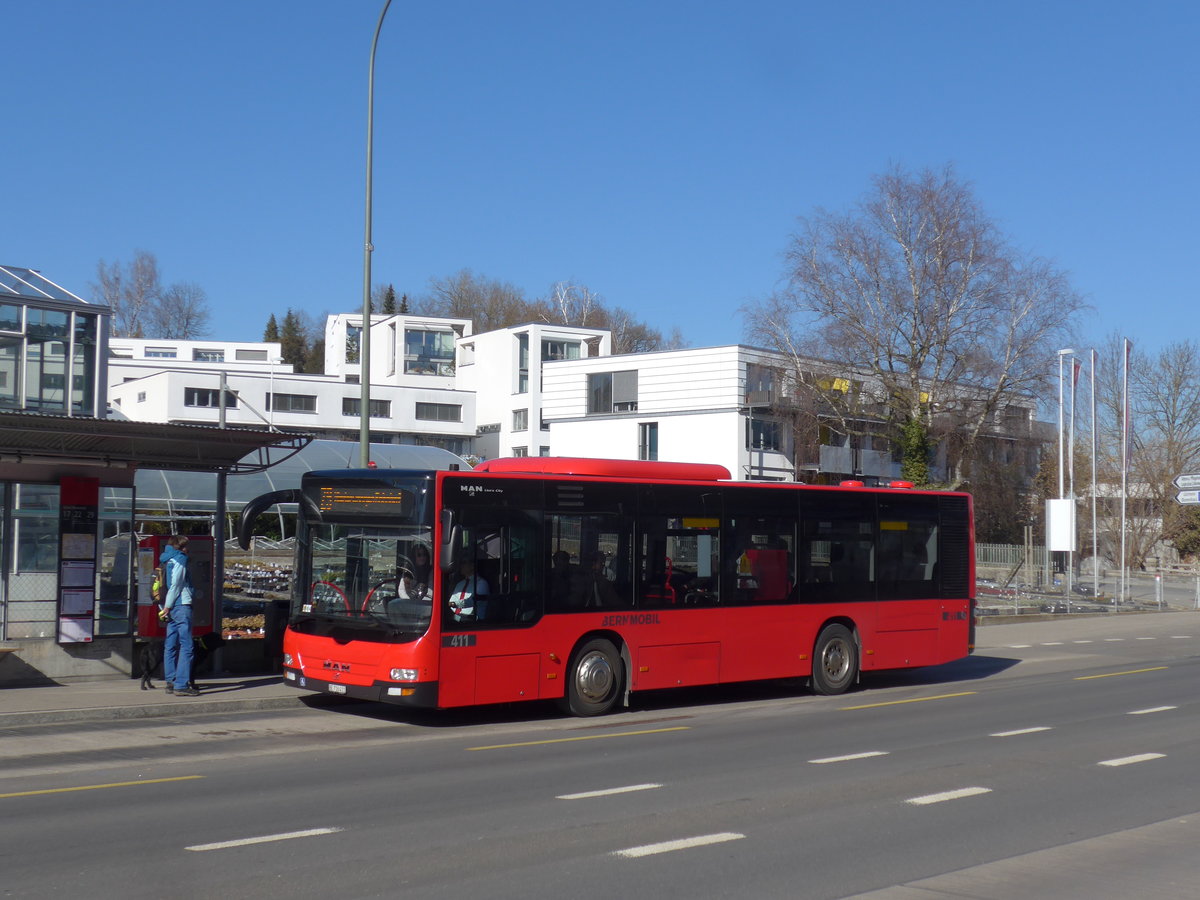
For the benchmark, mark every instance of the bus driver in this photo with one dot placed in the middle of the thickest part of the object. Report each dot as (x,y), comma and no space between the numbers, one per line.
(463,598)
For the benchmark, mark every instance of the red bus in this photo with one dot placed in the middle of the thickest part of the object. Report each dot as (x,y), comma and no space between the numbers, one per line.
(583,580)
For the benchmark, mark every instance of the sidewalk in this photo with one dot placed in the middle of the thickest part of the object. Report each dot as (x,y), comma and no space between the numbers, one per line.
(122,698)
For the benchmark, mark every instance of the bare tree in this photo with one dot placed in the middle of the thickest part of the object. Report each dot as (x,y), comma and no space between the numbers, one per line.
(573,304)
(181,313)
(490,304)
(915,292)
(131,291)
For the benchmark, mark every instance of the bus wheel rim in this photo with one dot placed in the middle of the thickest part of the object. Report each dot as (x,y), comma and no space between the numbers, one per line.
(836,659)
(594,677)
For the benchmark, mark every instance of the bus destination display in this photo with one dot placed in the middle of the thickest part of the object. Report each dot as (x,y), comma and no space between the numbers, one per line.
(373,500)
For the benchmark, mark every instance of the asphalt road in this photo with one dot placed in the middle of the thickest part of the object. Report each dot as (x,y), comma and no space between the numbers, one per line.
(1057,762)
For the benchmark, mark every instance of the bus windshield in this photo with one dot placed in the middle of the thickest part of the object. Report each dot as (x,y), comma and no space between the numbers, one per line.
(367,579)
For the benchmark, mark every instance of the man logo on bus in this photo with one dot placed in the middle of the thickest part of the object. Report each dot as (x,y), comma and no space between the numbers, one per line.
(336,666)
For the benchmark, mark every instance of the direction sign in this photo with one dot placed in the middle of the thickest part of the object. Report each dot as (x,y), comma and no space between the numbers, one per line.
(1187,482)
(1188,497)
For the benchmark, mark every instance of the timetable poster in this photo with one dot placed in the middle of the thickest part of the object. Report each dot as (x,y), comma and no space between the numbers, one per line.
(78,517)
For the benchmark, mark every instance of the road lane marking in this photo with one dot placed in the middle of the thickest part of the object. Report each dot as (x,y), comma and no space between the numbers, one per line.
(1152,709)
(1080,642)
(1113,640)
(264,839)
(848,757)
(587,795)
(682,844)
(913,700)
(1181,637)
(1019,646)
(1033,730)
(590,737)
(99,787)
(1113,674)
(1130,760)
(1147,639)
(948,795)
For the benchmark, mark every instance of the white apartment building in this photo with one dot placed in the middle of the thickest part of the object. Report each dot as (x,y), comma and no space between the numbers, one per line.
(681,405)
(536,389)
(504,369)
(148,383)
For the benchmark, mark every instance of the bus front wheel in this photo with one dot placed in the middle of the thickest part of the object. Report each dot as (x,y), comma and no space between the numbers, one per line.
(595,679)
(835,660)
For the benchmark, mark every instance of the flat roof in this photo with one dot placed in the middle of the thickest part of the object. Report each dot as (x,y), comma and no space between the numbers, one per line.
(41,438)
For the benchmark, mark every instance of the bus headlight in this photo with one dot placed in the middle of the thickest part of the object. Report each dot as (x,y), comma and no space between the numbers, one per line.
(403,674)
(287,660)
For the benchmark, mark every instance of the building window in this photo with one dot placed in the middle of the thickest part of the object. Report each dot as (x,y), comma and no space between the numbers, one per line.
(763,435)
(380,409)
(353,341)
(208,397)
(199,355)
(520,420)
(250,355)
(610,392)
(543,451)
(11,318)
(552,350)
(760,385)
(141,397)
(428,352)
(297,403)
(648,440)
(522,364)
(160,353)
(439,412)
(520,451)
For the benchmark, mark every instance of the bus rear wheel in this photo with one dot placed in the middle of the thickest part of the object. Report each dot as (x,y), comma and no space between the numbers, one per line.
(595,679)
(835,660)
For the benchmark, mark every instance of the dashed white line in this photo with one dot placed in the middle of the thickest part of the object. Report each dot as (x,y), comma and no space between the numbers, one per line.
(1019,646)
(1113,640)
(587,795)
(1080,642)
(1181,637)
(1052,644)
(948,795)
(1033,730)
(1130,760)
(1152,709)
(682,844)
(848,757)
(1146,639)
(264,839)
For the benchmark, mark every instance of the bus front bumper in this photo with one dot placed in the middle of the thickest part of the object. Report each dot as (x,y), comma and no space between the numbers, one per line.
(422,695)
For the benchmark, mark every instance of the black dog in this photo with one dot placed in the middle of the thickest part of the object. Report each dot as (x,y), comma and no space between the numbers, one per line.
(150,657)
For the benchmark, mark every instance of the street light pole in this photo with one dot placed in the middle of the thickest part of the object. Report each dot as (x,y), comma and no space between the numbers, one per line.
(1061,455)
(364,336)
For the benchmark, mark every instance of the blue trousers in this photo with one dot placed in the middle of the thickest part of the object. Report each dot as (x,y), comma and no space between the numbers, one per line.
(177,650)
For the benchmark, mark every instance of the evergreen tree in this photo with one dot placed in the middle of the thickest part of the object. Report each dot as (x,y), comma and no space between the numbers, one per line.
(389,301)
(315,363)
(403,304)
(271,333)
(294,342)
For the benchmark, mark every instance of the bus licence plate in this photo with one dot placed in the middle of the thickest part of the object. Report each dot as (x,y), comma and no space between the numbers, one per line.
(337,689)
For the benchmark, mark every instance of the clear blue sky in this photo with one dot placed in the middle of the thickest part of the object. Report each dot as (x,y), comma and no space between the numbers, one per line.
(658,152)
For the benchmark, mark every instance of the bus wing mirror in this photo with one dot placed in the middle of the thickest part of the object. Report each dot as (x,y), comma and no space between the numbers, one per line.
(256,507)
(451,541)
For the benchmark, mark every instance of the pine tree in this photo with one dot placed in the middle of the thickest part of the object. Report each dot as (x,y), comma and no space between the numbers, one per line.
(403,310)
(389,301)
(271,333)
(294,343)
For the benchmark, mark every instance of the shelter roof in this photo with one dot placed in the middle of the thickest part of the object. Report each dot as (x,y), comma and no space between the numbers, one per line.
(37,437)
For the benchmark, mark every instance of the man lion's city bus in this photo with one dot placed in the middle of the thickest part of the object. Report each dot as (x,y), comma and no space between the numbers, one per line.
(583,580)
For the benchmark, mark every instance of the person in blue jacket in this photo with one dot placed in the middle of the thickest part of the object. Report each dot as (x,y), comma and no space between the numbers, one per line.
(177,650)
